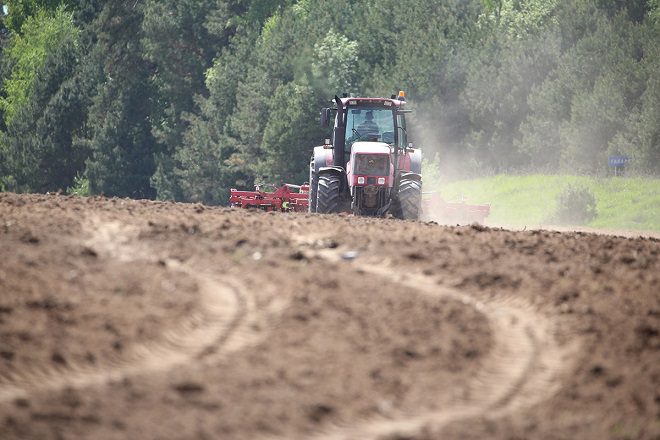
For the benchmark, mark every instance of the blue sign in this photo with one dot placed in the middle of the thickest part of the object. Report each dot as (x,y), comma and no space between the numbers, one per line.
(617,161)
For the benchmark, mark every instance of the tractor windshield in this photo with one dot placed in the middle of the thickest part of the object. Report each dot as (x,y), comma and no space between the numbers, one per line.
(369,124)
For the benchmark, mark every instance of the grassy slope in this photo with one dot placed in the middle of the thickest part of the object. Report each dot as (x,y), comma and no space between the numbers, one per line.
(622,203)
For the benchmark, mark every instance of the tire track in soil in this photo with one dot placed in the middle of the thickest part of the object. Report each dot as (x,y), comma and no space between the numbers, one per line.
(524,367)
(222,323)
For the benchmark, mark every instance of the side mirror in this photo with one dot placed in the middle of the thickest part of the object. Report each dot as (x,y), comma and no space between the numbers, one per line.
(326,116)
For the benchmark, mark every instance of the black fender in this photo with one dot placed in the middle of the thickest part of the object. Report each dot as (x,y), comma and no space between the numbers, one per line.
(407,175)
(332,169)
(338,171)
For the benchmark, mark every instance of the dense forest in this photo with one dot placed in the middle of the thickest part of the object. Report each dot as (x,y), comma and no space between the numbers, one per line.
(184,99)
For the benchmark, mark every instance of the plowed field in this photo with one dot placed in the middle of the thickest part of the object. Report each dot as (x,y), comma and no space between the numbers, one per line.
(124,319)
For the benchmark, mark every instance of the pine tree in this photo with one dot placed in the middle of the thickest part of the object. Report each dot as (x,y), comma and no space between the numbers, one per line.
(118,130)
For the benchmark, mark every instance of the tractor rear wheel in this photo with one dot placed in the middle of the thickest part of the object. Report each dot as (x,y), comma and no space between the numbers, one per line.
(328,197)
(410,199)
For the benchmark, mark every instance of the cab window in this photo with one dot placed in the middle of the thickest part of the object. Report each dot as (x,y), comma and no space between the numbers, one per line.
(369,124)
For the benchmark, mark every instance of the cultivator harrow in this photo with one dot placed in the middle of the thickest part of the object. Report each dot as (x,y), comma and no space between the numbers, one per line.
(283,199)
(295,198)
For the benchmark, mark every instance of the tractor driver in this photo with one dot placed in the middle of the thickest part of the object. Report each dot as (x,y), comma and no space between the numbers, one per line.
(369,128)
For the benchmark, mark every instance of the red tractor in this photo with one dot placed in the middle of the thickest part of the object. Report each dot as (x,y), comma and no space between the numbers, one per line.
(368,168)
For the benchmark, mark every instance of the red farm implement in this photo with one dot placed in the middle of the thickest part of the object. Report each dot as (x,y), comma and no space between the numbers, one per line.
(283,199)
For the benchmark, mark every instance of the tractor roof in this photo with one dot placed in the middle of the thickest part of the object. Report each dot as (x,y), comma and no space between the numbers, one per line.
(371,102)
(396,101)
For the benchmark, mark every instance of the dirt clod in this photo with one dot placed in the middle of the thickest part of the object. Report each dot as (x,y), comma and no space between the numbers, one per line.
(318,412)
(189,388)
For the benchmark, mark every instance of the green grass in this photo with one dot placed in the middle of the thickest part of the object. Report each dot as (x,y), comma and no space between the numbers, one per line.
(621,202)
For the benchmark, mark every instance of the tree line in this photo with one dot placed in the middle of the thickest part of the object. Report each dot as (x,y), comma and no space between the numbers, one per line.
(184,99)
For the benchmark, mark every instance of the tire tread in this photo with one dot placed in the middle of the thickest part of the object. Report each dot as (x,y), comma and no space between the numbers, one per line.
(328,195)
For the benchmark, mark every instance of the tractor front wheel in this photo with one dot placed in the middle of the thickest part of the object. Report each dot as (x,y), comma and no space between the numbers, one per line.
(410,199)
(328,195)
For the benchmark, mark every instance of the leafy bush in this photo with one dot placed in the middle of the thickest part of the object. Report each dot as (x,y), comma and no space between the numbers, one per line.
(80,187)
(8,184)
(576,205)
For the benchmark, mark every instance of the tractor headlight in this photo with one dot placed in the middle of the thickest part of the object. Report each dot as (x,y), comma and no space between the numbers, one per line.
(360,180)
(381,181)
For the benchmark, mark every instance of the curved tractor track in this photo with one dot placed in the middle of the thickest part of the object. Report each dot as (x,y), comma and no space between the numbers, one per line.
(525,364)
(221,323)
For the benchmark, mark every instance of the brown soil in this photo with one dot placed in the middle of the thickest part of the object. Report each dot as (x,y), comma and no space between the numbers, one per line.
(136,319)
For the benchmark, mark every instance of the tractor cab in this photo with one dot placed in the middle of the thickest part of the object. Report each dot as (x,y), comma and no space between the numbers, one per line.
(366,120)
(361,168)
